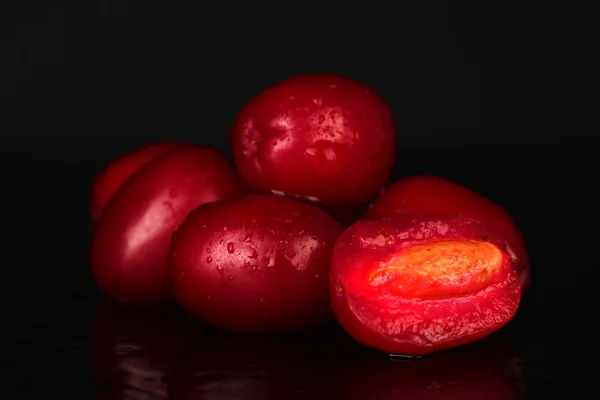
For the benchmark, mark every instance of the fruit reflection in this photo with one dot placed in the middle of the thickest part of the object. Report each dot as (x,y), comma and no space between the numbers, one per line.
(488,370)
(132,350)
(161,353)
(231,366)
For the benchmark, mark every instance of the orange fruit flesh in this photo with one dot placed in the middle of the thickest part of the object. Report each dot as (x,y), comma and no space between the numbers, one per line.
(443,268)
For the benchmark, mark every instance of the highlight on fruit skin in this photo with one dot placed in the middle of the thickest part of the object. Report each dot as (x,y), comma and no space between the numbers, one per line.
(120,170)
(421,283)
(430,194)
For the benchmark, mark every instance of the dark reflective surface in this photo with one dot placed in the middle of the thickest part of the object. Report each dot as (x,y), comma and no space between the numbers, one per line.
(59,340)
(162,353)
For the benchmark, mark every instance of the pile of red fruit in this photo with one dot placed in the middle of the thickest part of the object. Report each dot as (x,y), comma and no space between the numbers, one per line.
(263,247)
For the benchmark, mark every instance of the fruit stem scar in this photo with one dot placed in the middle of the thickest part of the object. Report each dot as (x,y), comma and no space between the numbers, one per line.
(438,268)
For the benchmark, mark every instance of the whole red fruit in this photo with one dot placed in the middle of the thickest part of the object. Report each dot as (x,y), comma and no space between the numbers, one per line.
(428,194)
(131,242)
(110,180)
(320,137)
(421,283)
(258,263)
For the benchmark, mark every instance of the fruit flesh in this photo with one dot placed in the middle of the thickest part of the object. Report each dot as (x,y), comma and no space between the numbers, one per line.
(436,269)
(429,194)
(398,318)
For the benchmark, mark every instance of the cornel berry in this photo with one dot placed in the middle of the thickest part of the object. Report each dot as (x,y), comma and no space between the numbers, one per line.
(421,283)
(319,137)
(258,263)
(131,242)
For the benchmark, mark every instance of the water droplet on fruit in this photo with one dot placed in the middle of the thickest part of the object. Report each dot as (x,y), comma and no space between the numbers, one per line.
(317,101)
(290,254)
(220,269)
(208,250)
(282,241)
(314,237)
(252,253)
(248,236)
(339,290)
(230,277)
(208,259)
(230,247)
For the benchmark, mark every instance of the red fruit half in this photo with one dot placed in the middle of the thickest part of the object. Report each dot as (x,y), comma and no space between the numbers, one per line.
(428,194)
(120,170)
(131,242)
(257,263)
(321,137)
(417,284)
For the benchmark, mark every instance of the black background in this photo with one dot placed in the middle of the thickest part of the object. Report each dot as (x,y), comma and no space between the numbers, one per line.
(500,99)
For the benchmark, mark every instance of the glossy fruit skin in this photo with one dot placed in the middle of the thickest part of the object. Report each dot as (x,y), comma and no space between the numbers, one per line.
(258,263)
(426,194)
(320,137)
(396,324)
(119,171)
(130,244)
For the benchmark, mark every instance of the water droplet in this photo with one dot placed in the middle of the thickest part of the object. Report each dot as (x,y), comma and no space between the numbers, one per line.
(301,232)
(282,241)
(230,277)
(246,265)
(317,101)
(290,254)
(317,275)
(208,250)
(220,269)
(208,259)
(230,247)
(248,236)
(289,221)
(311,151)
(314,237)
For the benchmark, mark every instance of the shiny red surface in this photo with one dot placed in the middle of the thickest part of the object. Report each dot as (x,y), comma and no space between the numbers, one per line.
(425,194)
(382,318)
(257,263)
(120,170)
(321,137)
(130,244)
